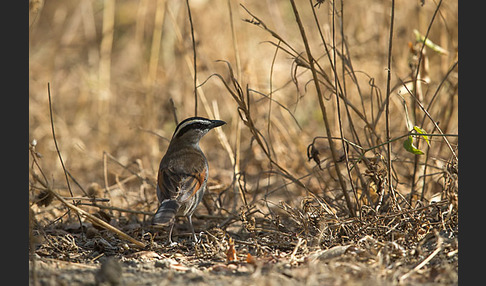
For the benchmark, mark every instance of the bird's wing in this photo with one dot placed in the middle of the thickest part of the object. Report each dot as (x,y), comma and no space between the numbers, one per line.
(177,183)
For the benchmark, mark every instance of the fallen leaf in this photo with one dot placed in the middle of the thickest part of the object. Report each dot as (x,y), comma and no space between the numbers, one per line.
(250,259)
(330,253)
(231,252)
(223,268)
(179,267)
(145,254)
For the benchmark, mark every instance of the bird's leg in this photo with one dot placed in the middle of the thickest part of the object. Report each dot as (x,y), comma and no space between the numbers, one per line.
(192,229)
(171,243)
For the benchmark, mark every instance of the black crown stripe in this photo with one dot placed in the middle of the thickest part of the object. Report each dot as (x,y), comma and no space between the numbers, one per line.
(191,123)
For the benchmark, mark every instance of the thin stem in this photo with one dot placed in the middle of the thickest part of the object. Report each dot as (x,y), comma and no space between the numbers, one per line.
(57,148)
(387,107)
(323,110)
(194,55)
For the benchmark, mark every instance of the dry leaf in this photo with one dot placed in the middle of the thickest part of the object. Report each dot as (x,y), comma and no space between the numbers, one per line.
(224,268)
(44,198)
(250,259)
(231,252)
(179,267)
(145,254)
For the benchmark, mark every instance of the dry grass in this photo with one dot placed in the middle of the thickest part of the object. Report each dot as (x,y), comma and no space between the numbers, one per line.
(299,168)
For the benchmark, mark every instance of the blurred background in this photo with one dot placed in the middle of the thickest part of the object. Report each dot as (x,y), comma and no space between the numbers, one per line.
(120,72)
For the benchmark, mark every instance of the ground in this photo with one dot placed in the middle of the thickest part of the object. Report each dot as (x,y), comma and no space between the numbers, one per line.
(425,256)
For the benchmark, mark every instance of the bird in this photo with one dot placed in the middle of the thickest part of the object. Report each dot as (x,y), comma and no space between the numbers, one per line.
(183,173)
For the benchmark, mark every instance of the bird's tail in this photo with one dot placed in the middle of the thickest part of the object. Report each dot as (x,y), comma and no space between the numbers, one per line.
(166,212)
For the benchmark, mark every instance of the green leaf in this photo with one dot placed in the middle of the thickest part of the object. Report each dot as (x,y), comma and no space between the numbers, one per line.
(421,131)
(408,145)
(429,43)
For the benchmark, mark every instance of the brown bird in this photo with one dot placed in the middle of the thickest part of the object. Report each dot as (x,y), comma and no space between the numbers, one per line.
(183,173)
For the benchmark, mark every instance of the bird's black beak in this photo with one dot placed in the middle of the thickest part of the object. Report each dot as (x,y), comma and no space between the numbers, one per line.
(216,123)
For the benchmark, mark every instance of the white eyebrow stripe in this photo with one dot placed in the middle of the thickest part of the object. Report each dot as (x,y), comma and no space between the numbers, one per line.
(193,121)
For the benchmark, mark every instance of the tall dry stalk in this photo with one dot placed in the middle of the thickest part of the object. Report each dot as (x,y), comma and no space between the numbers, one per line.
(335,156)
(104,69)
(391,189)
